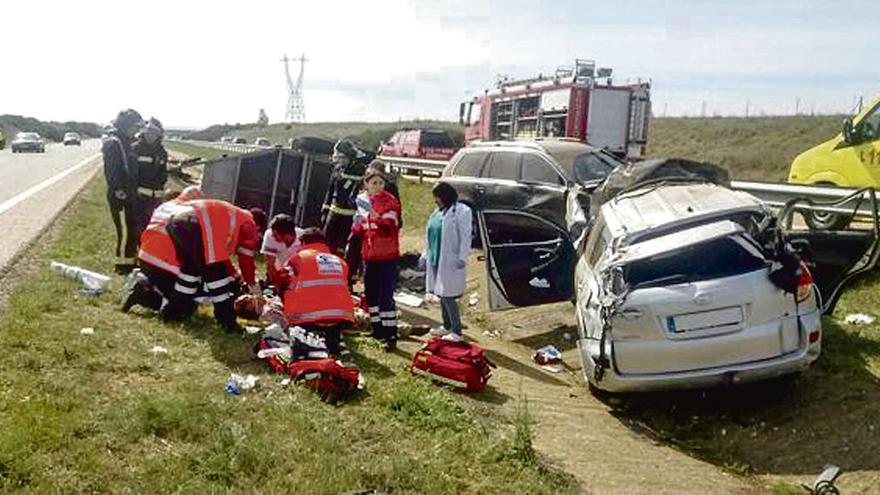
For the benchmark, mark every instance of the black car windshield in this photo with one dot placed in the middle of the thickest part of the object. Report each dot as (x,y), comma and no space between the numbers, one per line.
(586,165)
(29,135)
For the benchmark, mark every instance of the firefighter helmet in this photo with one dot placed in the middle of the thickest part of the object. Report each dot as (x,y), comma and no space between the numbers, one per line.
(345,148)
(152,132)
(128,122)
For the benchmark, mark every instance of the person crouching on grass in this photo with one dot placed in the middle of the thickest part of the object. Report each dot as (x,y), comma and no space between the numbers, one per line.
(448,243)
(379,229)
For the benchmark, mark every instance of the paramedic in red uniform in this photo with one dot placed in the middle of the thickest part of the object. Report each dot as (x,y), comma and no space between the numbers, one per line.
(379,229)
(206,235)
(158,266)
(318,298)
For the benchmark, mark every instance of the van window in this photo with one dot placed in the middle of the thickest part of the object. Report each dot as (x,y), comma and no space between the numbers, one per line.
(536,169)
(722,257)
(870,125)
(435,139)
(470,165)
(474,113)
(503,165)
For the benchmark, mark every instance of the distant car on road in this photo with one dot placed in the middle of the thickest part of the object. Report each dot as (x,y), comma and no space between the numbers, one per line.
(72,139)
(28,141)
(239,140)
(2,140)
(261,141)
(431,144)
(226,139)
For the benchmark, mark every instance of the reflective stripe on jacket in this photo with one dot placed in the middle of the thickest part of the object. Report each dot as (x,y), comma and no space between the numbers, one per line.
(318,291)
(227,230)
(156,247)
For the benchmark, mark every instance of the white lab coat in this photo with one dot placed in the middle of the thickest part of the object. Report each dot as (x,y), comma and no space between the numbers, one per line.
(448,278)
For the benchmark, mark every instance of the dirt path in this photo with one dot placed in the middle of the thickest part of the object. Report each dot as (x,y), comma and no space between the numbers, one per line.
(573,429)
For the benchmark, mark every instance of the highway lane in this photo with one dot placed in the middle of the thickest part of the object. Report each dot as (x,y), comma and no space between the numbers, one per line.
(35,187)
(20,171)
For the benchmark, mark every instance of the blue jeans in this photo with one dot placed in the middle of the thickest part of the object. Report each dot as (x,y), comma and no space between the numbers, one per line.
(451,315)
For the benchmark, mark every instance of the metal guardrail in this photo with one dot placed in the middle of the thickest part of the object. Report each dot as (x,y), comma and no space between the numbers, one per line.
(775,194)
(231,147)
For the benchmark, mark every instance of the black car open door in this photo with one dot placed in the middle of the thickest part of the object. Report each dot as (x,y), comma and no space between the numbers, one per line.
(836,257)
(529,260)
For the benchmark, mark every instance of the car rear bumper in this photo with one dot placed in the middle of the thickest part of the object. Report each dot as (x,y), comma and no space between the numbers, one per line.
(29,147)
(793,362)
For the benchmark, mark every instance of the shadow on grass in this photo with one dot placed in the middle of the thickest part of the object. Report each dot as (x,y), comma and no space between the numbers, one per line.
(790,425)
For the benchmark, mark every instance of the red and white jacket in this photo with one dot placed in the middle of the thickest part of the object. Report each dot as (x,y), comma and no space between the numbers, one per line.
(228,230)
(380,229)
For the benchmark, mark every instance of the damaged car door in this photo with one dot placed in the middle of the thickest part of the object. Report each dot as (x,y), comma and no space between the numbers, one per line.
(529,260)
(835,257)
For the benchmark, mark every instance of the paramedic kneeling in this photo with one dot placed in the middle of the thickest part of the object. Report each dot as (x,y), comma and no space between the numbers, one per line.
(318,298)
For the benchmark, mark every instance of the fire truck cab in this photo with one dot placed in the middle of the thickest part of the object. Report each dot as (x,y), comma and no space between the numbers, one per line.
(580,103)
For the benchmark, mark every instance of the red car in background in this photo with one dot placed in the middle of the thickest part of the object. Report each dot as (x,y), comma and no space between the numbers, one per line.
(431,144)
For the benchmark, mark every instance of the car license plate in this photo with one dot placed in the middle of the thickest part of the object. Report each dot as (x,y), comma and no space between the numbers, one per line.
(704,320)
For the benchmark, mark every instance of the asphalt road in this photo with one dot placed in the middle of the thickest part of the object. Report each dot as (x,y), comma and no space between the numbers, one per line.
(34,187)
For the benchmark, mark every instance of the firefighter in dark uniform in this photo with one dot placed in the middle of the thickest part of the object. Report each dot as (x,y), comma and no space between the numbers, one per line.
(121,172)
(152,160)
(345,184)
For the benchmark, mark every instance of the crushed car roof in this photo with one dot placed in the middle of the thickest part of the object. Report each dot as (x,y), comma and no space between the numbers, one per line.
(664,204)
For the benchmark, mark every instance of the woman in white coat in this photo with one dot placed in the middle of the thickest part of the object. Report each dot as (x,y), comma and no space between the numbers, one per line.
(447,245)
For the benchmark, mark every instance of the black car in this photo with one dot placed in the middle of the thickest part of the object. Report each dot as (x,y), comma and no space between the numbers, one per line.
(28,141)
(536,178)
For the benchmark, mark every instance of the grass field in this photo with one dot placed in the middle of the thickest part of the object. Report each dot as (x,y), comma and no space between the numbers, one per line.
(759,148)
(101,413)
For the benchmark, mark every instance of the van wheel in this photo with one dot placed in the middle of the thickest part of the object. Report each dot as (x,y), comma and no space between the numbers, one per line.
(817,220)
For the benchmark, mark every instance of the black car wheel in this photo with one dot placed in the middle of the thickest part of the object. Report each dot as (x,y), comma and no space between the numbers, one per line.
(826,221)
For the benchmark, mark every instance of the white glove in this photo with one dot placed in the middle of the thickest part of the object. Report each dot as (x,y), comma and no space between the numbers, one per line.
(120,194)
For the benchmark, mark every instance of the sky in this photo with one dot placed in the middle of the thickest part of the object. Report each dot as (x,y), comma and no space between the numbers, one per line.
(193,64)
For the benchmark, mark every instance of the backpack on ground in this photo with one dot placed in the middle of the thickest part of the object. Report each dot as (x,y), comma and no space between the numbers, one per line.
(329,377)
(461,365)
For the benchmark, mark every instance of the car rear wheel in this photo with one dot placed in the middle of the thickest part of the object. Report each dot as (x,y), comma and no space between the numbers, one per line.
(818,220)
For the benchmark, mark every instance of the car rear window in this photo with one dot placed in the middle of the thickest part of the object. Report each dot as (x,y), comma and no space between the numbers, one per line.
(724,257)
(503,165)
(536,169)
(434,139)
(469,165)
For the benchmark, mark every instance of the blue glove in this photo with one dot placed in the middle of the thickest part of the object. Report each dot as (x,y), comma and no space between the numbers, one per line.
(423,263)
(460,264)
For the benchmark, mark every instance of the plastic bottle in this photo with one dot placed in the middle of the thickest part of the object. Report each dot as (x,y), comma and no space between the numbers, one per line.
(90,279)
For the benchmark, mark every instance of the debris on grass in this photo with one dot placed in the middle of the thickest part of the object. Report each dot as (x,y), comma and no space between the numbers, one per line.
(87,331)
(859,319)
(238,384)
(157,349)
(548,354)
(474,299)
(93,282)
(408,300)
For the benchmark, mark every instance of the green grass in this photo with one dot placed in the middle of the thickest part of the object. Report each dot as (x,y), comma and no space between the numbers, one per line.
(100,413)
(759,148)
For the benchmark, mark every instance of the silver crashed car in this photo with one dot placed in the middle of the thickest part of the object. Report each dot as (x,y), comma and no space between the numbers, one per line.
(679,282)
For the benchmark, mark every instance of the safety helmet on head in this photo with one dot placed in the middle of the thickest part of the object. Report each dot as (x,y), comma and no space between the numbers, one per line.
(128,122)
(190,193)
(345,148)
(152,132)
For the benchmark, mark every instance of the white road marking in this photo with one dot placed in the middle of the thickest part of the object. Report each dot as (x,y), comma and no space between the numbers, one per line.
(18,198)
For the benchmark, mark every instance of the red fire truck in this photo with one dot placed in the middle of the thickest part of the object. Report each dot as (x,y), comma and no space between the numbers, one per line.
(580,102)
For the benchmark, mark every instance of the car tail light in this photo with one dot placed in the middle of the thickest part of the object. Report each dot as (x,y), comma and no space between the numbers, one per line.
(804,283)
(814,336)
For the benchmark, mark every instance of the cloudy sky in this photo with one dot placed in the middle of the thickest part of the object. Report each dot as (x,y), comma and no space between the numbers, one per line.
(199,63)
